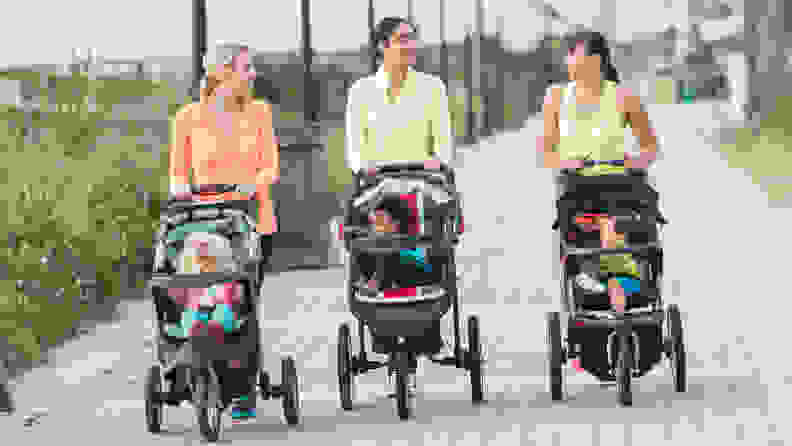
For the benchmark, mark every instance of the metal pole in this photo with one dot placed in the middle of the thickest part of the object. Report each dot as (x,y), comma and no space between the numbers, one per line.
(443,48)
(469,116)
(372,42)
(499,78)
(199,45)
(477,66)
(410,15)
(308,90)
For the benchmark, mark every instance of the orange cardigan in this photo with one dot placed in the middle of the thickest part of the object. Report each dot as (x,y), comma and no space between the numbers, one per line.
(256,164)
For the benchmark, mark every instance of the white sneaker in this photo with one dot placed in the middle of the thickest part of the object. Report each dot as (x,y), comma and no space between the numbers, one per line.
(445,352)
(589,284)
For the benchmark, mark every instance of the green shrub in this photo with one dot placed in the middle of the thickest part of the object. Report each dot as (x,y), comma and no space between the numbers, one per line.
(62,194)
(766,155)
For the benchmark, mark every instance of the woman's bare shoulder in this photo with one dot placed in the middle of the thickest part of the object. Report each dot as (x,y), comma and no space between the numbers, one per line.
(188,112)
(260,106)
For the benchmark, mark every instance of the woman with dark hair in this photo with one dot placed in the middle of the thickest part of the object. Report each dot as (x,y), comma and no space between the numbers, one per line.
(587,120)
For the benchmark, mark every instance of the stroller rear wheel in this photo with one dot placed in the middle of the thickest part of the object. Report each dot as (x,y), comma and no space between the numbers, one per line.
(555,356)
(345,373)
(290,392)
(264,385)
(677,350)
(475,360)
(153,398)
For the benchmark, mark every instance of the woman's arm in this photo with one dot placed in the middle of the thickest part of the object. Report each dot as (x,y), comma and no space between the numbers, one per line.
(268,157)
(639,120)
(355,132)
(442,139)
(547,142)
(181,151)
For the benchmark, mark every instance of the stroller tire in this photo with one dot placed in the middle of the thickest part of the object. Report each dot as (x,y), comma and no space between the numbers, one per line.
(624,371)
(556,371)
(475,361)
(153,399)
(678,360)
(345,375)
(265,390)
(402,392)
(290,392)
(210,416)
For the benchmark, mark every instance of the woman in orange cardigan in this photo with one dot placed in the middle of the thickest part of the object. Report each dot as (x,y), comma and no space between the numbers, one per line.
(227,138)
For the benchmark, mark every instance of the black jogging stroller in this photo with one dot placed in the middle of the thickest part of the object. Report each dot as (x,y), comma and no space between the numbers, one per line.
(398,318)
(609,345)
(198,368)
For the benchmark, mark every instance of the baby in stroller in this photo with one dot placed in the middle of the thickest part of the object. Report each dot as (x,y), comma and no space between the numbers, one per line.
(213,246)
(408,207)
(397,206)
(621,270)
(206,253)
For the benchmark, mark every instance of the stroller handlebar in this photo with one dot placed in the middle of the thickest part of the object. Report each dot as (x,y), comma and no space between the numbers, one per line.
(213,189)
(409,169)
(199,190)
(592,163)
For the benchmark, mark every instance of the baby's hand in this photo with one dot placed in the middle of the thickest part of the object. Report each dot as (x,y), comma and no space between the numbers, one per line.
(433,165)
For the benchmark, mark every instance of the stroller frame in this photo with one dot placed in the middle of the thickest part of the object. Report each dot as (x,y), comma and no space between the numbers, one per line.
(644,314)
(199,357)
(402,355)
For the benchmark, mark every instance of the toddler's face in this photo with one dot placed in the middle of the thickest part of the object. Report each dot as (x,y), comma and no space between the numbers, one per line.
(383,222)
(207,264)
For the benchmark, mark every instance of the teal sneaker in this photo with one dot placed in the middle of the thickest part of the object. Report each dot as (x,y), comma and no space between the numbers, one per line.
(241,412)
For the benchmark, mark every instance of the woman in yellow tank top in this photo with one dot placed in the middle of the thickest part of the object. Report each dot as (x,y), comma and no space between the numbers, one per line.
(587,120)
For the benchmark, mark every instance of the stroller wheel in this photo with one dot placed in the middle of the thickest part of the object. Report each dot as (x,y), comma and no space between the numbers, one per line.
(264,385)
(678,365)
(345,375)
(402,391)
(475,360)
(290,392)
(152,397)
(209,410)
(624,371)
(555,356)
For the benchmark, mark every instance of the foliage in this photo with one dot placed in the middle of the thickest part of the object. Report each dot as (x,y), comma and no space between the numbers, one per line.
(70,189)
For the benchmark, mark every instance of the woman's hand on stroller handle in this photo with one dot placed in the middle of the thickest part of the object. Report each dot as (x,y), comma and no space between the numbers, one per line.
(592,163)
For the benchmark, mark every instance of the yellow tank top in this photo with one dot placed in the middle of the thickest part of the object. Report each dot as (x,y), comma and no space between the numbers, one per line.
(596,132)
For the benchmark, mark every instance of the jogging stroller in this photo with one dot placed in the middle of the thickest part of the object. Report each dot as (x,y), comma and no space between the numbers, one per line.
(210,369)
(609,345)
(399,317)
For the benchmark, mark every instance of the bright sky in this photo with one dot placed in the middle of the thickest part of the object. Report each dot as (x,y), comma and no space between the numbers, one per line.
(119,29)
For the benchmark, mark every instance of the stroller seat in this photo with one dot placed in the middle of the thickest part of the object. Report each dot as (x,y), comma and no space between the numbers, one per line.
(232,224)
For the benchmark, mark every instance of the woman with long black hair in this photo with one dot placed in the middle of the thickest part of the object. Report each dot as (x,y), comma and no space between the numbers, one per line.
(586,120)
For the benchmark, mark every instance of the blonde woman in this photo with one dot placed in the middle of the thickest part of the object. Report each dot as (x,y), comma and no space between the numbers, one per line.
(227,138)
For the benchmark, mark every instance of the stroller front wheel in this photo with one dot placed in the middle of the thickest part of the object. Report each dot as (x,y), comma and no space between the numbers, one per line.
(208,406)
(402,385)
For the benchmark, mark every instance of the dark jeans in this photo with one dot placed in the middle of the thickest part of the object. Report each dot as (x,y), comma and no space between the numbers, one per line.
(6,403)
(265,243)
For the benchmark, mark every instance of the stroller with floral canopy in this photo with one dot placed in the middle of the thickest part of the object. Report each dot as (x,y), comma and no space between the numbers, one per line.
(207,328)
